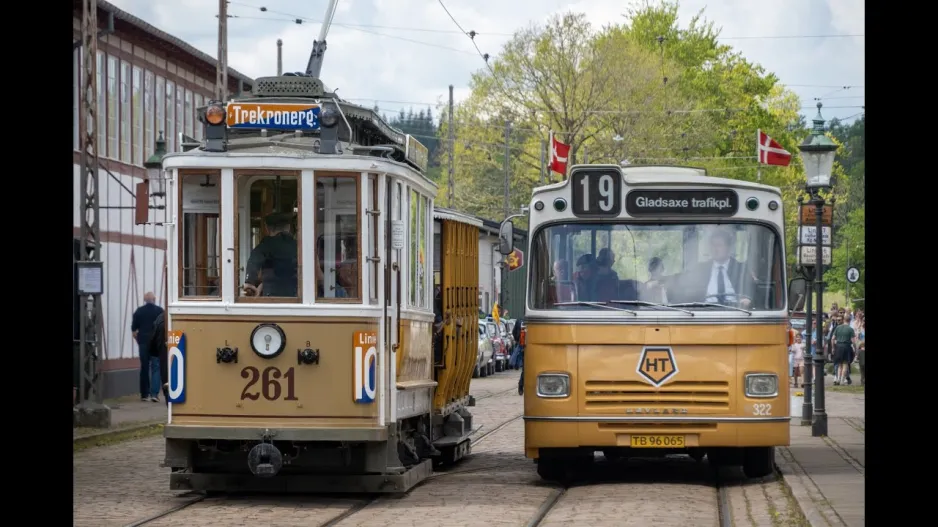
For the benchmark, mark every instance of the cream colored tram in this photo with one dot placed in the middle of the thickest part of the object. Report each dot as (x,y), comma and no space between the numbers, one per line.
(333,385)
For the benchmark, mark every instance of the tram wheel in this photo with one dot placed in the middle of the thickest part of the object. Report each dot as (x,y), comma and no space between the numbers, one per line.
(758,462)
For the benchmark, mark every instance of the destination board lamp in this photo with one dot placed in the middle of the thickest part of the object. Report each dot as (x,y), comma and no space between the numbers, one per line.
(154,166)
(817,154)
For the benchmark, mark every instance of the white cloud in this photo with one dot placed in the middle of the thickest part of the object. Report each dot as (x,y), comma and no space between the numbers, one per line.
(385,64)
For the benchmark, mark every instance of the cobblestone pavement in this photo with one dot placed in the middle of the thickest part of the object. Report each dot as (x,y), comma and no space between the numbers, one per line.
(497,485)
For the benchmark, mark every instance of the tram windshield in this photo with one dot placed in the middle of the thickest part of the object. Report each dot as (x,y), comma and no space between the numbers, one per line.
(586,266)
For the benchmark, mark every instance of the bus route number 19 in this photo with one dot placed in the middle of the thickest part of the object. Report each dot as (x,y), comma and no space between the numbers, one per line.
(596,193)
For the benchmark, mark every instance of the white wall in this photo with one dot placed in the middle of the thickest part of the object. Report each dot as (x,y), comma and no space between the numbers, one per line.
(487,257)
(129,270)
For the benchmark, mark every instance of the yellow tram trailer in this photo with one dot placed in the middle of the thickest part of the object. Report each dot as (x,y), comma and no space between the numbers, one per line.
(320,391)
(658,380)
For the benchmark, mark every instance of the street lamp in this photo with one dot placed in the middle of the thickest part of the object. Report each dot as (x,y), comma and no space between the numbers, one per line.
(154,166)
(817,154)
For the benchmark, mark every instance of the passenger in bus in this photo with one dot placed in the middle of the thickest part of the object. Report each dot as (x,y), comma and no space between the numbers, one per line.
(654,290)
(607,280)
(272,266)
(722,280)
(585,278)
(560,284)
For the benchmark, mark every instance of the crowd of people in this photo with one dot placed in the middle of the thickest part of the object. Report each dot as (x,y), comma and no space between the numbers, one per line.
(843,343)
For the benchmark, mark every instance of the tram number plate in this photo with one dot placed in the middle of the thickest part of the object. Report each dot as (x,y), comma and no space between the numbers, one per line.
(657,442)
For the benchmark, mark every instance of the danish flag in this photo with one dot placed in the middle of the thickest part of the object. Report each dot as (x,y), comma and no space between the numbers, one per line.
(770,152)
(559,153)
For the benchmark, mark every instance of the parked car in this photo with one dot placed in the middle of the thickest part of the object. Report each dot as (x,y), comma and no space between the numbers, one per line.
(499,346)
(484,361)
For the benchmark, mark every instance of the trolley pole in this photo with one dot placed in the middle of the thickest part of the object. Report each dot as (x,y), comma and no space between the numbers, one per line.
(451,182)
(90,411)
(819,428)
(279,57)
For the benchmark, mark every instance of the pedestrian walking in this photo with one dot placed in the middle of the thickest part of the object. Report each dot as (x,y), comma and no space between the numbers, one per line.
(142,327)
(843,337)
(158,349)
(861,359)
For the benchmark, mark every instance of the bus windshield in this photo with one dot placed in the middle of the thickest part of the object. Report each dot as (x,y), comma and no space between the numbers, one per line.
(583,266)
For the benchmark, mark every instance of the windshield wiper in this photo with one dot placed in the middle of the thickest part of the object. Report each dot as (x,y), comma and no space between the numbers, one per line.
(710,304)
(594,304)
(653,304)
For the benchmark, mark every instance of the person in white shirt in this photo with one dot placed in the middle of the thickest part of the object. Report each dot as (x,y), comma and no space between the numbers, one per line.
(722,280)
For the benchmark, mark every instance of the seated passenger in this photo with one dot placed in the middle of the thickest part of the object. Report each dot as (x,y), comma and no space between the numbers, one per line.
(607,281)
(561,287)
(585,278)
(654,290)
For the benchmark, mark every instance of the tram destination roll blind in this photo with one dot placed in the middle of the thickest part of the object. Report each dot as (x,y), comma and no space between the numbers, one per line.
(721,202)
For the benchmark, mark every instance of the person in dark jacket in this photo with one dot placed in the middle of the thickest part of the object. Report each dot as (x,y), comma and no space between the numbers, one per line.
(157,346)
(517,356)
(272,265)
(142,327)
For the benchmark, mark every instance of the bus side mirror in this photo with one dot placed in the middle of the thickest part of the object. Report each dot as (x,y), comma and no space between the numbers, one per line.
(797,288)
(142,203)
(506,238)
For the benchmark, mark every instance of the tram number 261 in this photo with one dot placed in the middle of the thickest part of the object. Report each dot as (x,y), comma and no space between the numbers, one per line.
(270,386)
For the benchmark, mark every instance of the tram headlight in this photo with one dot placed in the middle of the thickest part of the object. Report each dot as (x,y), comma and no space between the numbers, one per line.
(214,115)
(761,385)
(329,117)
(553,385)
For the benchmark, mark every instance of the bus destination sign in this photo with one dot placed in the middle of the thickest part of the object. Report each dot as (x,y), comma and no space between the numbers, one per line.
(273,116)
(682,202)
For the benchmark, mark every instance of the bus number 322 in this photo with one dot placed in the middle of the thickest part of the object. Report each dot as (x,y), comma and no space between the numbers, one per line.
(270,385)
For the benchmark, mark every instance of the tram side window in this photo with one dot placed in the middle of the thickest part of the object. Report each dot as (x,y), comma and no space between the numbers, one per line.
(338,272)
(200,243)
(373,239)
(418,249)
(268,236)
(422,270)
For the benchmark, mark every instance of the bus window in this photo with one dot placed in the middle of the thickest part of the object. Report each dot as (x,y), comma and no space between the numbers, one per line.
(673,263)
(200,243)
(339,273)
(268,220)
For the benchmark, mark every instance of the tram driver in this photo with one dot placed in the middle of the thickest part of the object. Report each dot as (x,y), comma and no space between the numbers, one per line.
(272,266)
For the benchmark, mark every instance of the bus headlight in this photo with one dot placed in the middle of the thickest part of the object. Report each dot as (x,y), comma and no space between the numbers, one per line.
(761,385)
(553,385)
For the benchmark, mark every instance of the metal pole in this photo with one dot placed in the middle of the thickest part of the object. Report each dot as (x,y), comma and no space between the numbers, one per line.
(90,330)
(819,427)
(279,57)
(221,70)
(451,183)
(507,169)
(544,178)
(807,408)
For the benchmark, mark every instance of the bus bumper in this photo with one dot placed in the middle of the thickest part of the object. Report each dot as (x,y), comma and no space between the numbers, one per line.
(598,432)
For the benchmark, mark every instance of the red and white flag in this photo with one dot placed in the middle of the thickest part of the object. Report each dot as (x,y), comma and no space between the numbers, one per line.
(770,152)
(559,153)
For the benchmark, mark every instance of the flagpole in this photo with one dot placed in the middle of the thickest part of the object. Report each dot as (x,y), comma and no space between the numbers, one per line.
(759,174)
(550,156)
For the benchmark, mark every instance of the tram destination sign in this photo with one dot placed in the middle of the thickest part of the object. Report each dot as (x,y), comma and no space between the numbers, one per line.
(682,202)
(274,116)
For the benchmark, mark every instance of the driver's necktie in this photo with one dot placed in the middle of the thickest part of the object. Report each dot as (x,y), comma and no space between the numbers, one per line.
(721,285)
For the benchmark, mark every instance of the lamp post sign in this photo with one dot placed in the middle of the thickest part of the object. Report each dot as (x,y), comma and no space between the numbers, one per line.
(807,236)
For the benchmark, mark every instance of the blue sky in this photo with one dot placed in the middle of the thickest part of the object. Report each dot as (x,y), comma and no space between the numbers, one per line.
(417,52)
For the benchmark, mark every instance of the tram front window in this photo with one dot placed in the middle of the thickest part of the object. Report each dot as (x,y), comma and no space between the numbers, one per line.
(269,239)
(734,265)
(200,243)
(338,272)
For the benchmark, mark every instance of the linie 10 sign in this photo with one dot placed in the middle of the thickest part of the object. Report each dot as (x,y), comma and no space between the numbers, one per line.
(274,116)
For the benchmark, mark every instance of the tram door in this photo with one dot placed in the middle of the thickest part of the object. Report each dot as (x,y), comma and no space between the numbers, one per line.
(394,240)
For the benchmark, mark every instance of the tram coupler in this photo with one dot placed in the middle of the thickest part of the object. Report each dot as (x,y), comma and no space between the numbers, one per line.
(265,460)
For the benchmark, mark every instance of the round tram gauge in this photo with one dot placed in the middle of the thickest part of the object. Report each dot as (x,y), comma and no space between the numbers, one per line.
(268,340)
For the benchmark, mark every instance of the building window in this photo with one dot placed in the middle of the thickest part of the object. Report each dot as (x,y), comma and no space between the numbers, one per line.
(200,244)
(148,137)
(190,112)
(160,106)
(197,125)
(180,115)
(137,116)
(76,96)
(113,109)
(125,112)
(338,273)
(269,249)
(101,88)
(170,136)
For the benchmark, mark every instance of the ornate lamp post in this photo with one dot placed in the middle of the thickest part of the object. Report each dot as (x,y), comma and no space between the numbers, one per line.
(154,166)
(817,153)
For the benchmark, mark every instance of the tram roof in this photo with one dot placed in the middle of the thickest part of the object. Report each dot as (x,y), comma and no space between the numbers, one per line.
(441,213)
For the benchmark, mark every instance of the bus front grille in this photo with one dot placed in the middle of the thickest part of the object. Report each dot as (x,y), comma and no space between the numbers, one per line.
(691,395)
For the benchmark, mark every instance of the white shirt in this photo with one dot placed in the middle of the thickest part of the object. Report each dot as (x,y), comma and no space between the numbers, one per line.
(712,288)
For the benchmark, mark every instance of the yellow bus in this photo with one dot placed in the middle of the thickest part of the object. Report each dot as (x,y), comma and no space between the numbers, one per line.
(657,317)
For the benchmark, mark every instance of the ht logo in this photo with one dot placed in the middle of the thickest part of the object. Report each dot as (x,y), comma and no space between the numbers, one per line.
(653,363)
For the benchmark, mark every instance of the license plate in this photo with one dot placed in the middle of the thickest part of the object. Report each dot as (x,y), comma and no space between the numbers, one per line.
(657,442)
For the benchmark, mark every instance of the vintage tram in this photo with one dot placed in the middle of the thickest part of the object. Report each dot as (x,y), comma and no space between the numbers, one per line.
(656,319)
(307,263)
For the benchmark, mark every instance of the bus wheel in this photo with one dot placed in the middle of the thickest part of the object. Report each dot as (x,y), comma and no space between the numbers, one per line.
(555,470)
(759,462)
